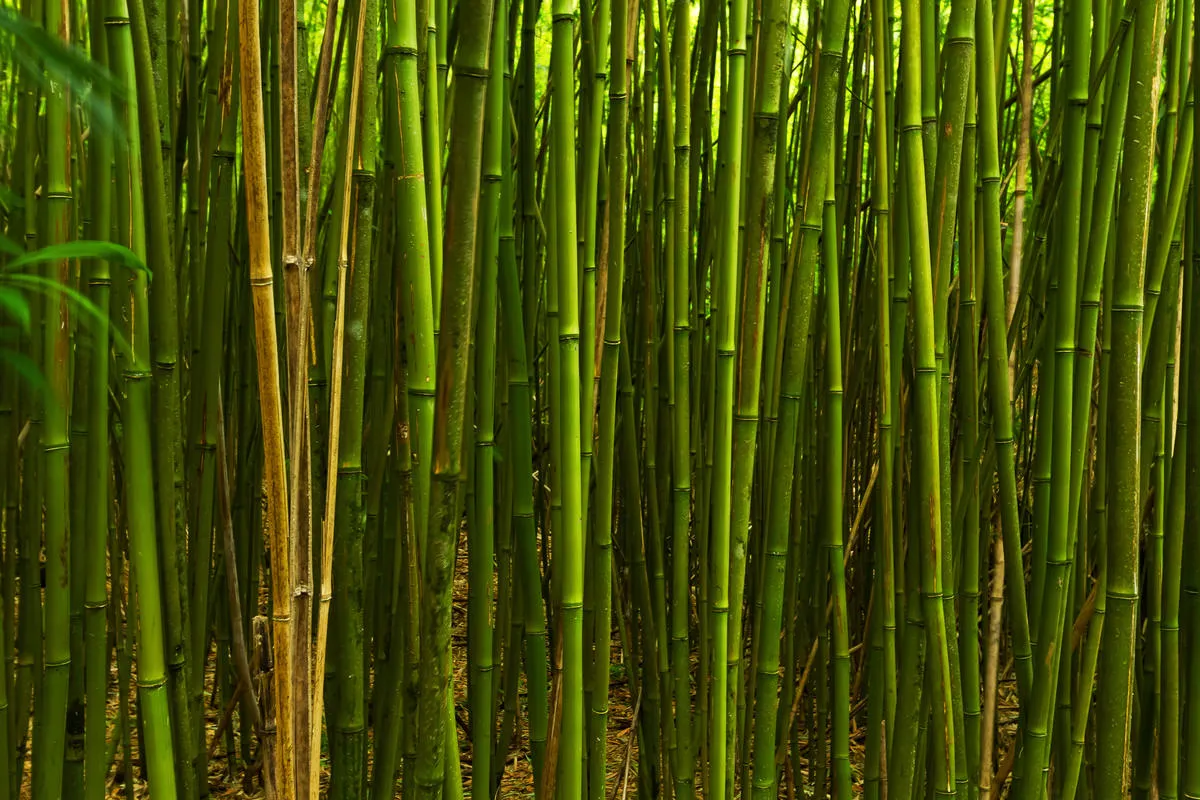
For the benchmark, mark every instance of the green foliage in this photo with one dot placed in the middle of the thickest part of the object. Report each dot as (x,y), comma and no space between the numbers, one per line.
(18,289)
(44,59)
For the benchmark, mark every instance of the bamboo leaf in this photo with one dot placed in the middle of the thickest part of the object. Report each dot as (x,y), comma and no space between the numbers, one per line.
(15,307)
(10,247)
(113,253)
(10,200)
(43,58)
(25,369)
(87,307)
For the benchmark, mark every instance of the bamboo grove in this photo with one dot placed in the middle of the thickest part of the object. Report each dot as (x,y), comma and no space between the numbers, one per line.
(599,398)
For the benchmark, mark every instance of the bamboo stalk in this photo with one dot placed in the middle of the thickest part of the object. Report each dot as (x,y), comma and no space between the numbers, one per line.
(1116,651)
(471,62)
(261,282)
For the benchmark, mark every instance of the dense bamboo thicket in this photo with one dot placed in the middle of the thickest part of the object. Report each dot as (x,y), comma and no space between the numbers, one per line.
(599,399)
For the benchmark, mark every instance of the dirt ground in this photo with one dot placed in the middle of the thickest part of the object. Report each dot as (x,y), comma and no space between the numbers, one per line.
(517,781)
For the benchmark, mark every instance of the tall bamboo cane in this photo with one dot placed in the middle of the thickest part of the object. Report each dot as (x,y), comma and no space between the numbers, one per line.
(336,419)
(928,474)
(1061,547)
(136,469)
(680,299)
(50,709)
(96,496)
(471,70)
(166,397)
(725,307)
(481,535)
(1116,651)
(261,282)
(834,511)
(999,387)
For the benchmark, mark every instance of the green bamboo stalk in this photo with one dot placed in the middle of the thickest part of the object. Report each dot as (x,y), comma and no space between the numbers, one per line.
(416,262)
(166,397)
(1087,673)
(527,155)
(971,538)
(96,492)
(382,523)
(799,289)
(680,300)
(390,466)
(29,636)
(593,41)
(904,756)
(481,537)
(881,206)
(930,86)
(1041,405)
(567,428)
(1189,783)
(752,202)
(409,599)
(609,366)
(72,781)
(772,352)
(193,119)
(50,702)
(136,469)
(1096,274)
(205,375)
(10,410)
(471,70)
(433,135)
(999,386)
(1116,651)
(928,476)
(415,275)
(762,199)
(1188,770)
(520,342)
(725,309)
(1156,419)
(958,57)
(652,186)
(1167,222)
(1061,546)
(520,413)
(349,733)
(834,512)
(879,671)
(1169,700)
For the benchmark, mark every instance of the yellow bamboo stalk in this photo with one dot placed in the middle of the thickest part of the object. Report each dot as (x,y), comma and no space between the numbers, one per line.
(295,285)
(335,415)
(261,279)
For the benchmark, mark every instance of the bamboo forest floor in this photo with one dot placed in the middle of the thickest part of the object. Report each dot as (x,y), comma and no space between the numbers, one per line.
(518,771)
(517,779)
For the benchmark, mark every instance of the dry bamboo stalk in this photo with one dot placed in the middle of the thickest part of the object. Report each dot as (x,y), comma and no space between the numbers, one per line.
(296,319)
(991,672)
(335,409)
(241,658)
(261,280)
